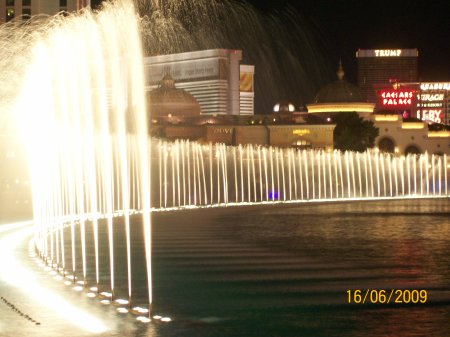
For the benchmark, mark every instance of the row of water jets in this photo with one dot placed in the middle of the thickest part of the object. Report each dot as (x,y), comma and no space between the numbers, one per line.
(92,167)
(188,174)
(193,174)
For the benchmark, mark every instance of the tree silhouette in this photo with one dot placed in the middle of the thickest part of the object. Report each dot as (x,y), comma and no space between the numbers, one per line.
(353,133)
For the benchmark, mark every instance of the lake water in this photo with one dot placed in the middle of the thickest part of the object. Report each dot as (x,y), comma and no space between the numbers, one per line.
(285,271)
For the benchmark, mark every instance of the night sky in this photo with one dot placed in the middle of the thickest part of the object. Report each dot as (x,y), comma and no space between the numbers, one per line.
(343,26)
(340,27)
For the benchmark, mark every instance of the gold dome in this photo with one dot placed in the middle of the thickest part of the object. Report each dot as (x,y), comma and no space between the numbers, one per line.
(167,100)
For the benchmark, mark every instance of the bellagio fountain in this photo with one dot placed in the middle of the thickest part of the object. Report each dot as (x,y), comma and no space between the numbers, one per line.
(96,176)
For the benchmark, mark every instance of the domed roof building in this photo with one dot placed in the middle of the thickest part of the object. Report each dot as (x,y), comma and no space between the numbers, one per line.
(168,101)
(340,96)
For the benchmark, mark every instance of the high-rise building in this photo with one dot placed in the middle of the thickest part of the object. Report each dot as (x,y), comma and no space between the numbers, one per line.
(215,77)
(10,9)
(379,67)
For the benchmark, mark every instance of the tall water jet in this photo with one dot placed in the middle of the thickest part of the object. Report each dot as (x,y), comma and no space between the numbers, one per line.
(81,112)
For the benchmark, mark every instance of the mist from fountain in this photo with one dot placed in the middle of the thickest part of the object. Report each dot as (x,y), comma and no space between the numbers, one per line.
(279,44)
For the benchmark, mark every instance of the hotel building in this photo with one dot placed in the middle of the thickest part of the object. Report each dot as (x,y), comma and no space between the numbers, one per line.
(217,80)
(380,67)
(11,9)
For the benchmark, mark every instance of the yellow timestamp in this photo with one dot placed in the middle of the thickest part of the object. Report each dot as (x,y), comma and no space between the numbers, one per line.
(382,296)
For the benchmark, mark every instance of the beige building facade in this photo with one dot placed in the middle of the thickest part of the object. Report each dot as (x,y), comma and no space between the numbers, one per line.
(401,137)
(14,9)
(289,135)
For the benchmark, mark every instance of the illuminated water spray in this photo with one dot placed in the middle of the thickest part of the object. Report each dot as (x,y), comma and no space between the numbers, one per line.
(246,174)
(81,111)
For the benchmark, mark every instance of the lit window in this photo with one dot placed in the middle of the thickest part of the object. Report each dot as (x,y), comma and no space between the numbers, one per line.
(9,14)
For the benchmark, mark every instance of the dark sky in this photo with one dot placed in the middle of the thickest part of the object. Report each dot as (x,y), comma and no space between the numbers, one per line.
(346,25)
(343,26)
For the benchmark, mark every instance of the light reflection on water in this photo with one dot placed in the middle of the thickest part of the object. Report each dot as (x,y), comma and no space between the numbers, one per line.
(284,271)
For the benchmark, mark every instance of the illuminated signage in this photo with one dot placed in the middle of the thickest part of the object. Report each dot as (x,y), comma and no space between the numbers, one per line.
(431,97)
(435,86)
(301,132)
(223,130)
(431,105)
(396,97)
(186,70)
(246,82)
(432,115)
(387,52)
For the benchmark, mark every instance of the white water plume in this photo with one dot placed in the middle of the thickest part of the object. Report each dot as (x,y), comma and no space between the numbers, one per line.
(79,101)
(80,110)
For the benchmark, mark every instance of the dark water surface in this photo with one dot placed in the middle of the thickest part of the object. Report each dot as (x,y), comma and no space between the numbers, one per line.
(285,271)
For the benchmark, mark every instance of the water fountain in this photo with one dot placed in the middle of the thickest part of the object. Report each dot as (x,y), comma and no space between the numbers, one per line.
(244,175)
(81,113)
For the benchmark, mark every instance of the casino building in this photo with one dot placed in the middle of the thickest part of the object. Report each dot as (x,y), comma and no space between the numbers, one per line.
(426,101)
(215,78)
(410,116)
(383,66)
(208,96)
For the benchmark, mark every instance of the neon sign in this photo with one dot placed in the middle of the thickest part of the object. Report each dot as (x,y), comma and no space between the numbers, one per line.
(301,132)
(223,130)
(432,115)
(396,97)
(431,97)
(435,86)
(387,52)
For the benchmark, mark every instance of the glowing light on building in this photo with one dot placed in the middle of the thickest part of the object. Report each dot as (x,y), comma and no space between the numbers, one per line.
(431,115)
(435,86)
(301,132)
(394,98)
(439,134)
(387,52)
(340,107)
(413,125)
(431,97)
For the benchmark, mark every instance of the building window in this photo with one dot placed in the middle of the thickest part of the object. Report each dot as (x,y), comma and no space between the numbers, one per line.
(26,3)
(302,144)
(27,13)
(9,14)
(9,2)
(386,145)
(412,149)
(62,3)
